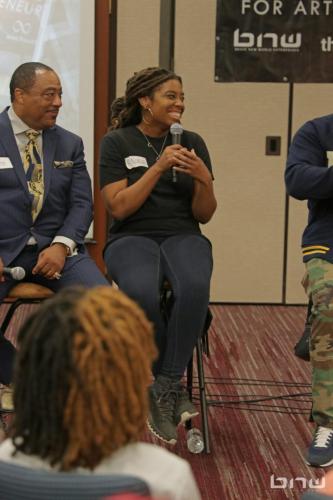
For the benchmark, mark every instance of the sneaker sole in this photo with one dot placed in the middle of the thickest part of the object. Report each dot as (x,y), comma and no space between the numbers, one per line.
(327,464)
(171,441)
(186,415)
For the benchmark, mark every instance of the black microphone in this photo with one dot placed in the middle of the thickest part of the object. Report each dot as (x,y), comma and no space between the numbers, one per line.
(176,131)
(16,273)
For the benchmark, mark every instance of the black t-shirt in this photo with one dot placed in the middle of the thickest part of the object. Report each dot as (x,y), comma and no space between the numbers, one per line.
(125,154)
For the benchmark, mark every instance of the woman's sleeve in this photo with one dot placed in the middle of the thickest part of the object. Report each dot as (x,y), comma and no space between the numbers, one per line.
(111,162)
(201,150)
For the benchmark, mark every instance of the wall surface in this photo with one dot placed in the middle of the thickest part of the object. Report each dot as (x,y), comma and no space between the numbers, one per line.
(248,229)
(138,32)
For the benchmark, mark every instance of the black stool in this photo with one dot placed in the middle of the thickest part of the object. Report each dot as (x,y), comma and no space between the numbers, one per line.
(23,293)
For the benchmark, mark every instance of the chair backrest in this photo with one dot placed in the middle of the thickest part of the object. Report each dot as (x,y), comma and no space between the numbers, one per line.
(22,483)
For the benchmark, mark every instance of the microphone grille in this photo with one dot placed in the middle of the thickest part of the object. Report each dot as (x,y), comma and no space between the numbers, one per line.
(176,128)
(18,273)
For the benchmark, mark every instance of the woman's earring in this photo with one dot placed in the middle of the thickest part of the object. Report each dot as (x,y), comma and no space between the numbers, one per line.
(144,118)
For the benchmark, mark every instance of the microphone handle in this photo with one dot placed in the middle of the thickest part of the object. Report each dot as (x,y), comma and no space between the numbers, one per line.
(175,139)
(7,271)
(174,174)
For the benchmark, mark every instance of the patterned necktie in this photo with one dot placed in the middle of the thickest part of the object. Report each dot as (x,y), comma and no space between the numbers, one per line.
(34,172)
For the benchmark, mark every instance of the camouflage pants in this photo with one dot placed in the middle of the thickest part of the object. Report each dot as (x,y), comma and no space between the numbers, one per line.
(318,284)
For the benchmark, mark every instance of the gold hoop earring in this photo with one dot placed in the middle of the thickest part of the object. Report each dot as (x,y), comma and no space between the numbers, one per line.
(144,119)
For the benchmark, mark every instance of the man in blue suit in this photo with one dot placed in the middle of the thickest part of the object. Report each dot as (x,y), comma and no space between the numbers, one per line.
(44,213)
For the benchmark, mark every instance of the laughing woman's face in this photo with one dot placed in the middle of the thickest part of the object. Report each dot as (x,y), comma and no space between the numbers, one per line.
(166,104)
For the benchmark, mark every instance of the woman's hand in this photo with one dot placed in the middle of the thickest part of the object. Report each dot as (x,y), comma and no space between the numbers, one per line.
(171,156)
(191,164)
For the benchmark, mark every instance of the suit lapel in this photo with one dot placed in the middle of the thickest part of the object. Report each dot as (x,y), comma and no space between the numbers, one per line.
(8,141)
(7,138)
(50,138)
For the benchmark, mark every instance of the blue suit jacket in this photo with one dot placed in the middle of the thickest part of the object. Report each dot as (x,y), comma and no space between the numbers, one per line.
(67,207)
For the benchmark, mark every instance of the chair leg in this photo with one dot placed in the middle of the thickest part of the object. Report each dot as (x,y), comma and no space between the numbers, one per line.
(10,314)
(189,378)
(189,387)
(203,399)
(14,305)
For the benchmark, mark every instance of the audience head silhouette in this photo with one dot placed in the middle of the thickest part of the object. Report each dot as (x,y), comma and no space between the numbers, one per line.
(81,377)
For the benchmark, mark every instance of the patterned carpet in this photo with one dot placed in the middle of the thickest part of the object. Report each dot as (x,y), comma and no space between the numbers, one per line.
(260,402)
(254,443)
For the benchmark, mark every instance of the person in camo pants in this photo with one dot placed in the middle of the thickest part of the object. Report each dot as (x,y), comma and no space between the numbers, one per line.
(318,283)
(309,176)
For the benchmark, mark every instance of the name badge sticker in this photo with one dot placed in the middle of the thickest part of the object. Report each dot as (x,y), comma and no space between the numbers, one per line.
(136,161)
(5,163)
(329,155)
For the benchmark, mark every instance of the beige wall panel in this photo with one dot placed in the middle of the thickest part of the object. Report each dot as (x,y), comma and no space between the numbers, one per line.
(138,32)
(247,231)
(310,101)
(295,267)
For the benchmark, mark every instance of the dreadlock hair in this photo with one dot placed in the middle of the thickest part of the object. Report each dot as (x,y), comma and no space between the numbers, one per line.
(141,84)
(24,76)
(116,107)
(81,376)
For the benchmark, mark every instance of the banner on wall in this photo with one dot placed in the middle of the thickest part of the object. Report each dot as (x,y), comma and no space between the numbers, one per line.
(274,41)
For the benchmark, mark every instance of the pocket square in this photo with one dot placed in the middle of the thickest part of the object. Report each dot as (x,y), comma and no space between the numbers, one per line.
(63,164)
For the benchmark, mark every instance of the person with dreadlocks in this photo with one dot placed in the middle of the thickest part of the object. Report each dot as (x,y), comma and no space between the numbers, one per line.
(157,194)
(80,392)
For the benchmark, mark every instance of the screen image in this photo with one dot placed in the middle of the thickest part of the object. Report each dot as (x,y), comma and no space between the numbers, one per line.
(59,33)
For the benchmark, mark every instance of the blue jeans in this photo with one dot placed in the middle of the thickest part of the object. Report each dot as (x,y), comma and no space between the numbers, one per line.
(140,265)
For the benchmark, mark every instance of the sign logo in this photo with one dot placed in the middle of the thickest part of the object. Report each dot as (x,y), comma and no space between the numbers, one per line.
(267,42)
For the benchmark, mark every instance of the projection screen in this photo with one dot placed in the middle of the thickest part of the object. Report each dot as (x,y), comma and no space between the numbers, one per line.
(59,33)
